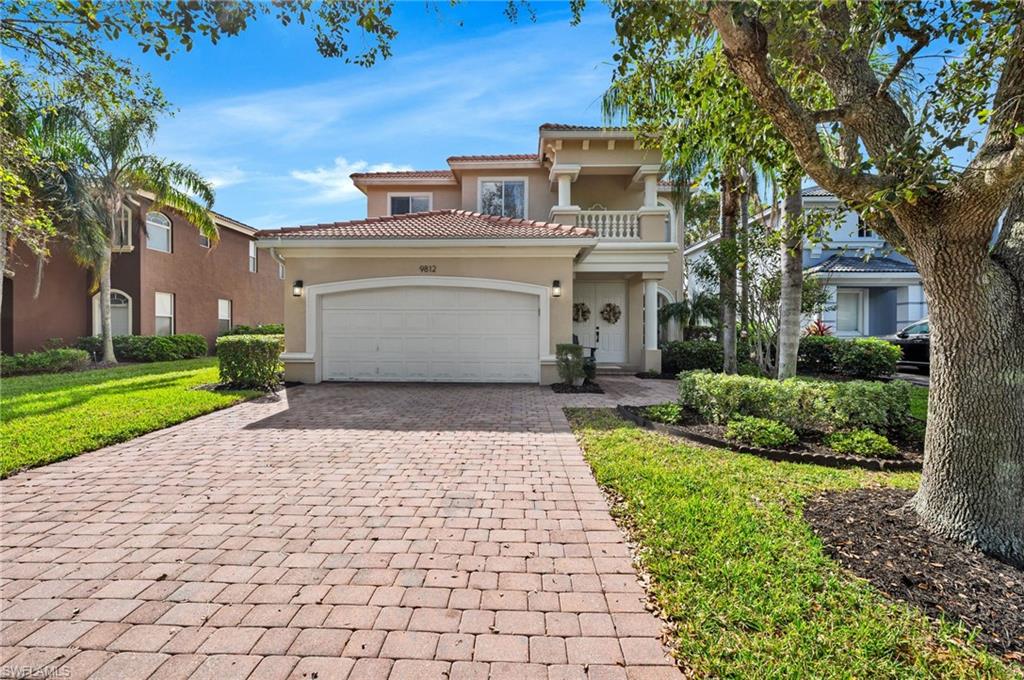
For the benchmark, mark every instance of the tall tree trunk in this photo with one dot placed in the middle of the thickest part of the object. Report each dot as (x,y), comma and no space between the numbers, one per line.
(972,485)
(105,325)
(727,275)
(792,256)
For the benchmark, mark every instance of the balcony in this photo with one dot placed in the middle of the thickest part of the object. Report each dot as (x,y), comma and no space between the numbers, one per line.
(612,225)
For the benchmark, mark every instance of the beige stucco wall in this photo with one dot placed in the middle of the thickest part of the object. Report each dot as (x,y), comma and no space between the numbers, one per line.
(572,153)
(539,266)
(445,197)
(612,192)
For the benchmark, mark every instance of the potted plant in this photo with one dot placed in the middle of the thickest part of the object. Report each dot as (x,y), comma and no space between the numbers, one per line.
(569,361)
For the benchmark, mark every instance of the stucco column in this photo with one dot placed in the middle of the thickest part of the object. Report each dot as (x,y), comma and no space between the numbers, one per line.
(650,314)
(564,190)
(651,190)
(652,355)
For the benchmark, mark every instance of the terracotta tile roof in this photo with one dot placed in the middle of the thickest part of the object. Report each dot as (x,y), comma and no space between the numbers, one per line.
(496,157)
(845,264)
(408,174)
(582,128)
(436,224)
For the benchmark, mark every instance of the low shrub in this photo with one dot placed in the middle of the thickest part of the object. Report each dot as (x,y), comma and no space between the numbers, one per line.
(262,329)
(803,405)
(569,362)
(760,432)
(57,360)
(250,361)
(664,413)
(148,348)
(864,443)
(855,357)
(689,355)
(867,357)
(590,368)
(817,353)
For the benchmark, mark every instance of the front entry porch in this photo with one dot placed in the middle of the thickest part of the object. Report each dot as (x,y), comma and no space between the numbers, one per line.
(616,318)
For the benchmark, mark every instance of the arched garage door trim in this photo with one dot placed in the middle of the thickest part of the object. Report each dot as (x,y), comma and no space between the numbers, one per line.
(316,291)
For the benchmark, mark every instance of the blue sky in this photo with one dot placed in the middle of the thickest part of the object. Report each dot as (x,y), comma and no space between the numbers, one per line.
(278,128)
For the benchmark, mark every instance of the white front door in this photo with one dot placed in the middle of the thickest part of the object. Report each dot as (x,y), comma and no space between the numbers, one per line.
(609,338)
(423,333)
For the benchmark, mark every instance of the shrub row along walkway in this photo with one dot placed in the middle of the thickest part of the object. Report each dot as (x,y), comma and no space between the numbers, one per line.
(352,531)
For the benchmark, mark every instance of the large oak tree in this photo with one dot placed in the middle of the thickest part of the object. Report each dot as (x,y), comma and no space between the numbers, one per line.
(961,221)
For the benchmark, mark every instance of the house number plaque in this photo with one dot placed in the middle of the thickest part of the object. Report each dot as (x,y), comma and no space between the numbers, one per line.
(428,268)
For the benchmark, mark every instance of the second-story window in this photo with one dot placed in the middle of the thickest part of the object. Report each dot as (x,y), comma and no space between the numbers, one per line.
(401,204)
(863,230)
(252,256)
(504,197)
(158,232)
(204,241)
(123,229)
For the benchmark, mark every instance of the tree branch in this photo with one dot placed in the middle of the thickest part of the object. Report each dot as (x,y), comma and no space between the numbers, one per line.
(745,45)
(901,63)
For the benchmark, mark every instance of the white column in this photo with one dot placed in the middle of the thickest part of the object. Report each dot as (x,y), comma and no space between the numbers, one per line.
(564,191)
(650,190)
(650,314)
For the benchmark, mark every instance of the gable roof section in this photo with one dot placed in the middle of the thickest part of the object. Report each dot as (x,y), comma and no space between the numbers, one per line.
(846,264)
(433,225)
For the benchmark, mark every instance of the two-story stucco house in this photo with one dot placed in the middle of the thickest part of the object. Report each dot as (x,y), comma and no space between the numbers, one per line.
(476,272)
(873,290)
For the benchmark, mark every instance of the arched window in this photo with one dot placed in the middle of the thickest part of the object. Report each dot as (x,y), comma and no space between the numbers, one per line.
(158,232)
(123,229)
(120,313)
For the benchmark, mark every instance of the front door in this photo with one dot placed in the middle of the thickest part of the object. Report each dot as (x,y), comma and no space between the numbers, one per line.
(608,338)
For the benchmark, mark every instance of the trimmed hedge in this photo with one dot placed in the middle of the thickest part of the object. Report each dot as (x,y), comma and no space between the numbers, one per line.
(689,355)
(760,432)
(250,361)
(804,405)
(57,360)
(263,329)
(855,357)
(148,348)
(863,443)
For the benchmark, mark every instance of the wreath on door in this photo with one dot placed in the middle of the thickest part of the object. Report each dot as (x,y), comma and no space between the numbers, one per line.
(611,313)
(580,312)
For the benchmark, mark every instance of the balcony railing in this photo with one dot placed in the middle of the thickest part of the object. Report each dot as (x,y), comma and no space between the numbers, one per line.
(620,225)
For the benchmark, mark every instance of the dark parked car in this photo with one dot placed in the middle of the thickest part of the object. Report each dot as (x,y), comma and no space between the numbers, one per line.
(913,340)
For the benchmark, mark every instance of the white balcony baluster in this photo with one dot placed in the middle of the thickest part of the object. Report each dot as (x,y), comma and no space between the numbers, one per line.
(616,225)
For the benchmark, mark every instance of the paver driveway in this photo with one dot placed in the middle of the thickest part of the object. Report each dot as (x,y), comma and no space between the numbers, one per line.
(347,531)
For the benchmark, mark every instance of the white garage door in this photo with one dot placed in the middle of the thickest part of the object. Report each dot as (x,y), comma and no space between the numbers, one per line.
(423,333)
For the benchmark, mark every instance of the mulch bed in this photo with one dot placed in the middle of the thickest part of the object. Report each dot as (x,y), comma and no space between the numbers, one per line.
(695,429)
(872,533)
(586,388)
(657,376)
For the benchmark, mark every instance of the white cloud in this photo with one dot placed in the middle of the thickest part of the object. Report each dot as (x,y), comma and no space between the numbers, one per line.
(334,184)
(226,177)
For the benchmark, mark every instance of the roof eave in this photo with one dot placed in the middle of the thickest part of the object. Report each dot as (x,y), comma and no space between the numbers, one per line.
(424,243)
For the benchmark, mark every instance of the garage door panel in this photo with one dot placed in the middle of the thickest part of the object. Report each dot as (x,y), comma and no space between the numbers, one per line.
(430,333)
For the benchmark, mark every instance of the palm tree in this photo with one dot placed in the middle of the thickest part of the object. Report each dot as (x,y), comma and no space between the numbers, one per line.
(115,165)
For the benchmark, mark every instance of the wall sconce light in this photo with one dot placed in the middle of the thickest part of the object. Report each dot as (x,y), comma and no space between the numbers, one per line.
(297,288)
(556,288)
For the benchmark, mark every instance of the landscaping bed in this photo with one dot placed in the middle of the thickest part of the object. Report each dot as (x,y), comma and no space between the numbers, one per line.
(730,561)
(587,387)
(691,426)
(873,534)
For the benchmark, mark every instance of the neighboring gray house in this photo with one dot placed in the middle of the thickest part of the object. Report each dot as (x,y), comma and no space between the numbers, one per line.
(874,290)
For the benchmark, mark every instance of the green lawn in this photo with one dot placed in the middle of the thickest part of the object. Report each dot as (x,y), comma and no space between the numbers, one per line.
(740,574)
(46,418)
(919,401)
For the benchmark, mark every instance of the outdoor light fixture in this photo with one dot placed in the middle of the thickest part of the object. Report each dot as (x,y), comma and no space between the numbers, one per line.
(297,288)
(556,288)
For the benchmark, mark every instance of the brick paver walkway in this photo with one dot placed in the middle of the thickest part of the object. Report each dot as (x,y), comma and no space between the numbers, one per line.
(346,531)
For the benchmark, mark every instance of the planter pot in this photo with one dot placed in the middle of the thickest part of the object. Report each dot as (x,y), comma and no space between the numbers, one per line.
(578,382)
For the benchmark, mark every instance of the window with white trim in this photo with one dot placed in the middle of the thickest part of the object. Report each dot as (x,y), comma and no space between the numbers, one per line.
(223,316)
(158,232)
(402,204)
(863,230)
(120,313)
(123,229)
(503,197)
(252,256)
(164,314)
(204,241)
